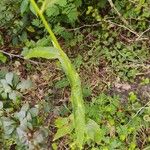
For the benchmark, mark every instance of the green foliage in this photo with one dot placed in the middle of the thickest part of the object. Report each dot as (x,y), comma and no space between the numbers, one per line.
(22,128)
(124,59)
(43,52)
(10,87)
(53,53)
(104,49)
(145,81)
(24,6)
(139,13)
(13,27)
(64,126)
(132,97)
(56,12)
(3,58)
(117,47)
(20,124)
(62,83)
(7,12)
(94,132)
(111,124)
(114,121)
(73,77)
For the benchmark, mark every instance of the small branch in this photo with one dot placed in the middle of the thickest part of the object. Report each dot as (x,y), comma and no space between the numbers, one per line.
(123,26)
(142,34)
(134,65)
(144,73)
(19,56)
(121,17)
(140,110)
(86,25)
(108,21)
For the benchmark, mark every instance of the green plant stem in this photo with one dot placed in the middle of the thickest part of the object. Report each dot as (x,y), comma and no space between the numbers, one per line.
(74,79)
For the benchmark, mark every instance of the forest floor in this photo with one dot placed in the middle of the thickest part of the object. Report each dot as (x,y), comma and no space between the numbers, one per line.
(50,84)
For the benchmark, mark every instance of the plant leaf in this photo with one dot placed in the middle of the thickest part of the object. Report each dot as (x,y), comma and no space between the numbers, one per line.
(6,87)
(67,129)
(93,131)
(24,85)
(24,6)
(9,78)
(62,83)
(43,52)
(32,10)
(34,112)
(60,122)
(13,96)
(3,58)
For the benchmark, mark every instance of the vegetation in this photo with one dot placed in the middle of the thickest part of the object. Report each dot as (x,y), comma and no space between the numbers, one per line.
(103,102)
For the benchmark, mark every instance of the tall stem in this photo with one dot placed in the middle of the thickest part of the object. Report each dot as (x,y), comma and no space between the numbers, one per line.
(74,79)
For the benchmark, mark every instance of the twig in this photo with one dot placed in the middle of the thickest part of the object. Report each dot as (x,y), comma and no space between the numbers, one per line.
(108,21)
(142,34)
(86,25)
(123,26)
(144,73)
(121,17)
(97,24)
(19,56)
(140,110)
(146,66)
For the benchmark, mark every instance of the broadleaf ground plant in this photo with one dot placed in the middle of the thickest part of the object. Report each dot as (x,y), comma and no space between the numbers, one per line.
(56,52)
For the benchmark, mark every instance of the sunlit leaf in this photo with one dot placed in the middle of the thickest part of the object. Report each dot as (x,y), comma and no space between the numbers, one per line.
(3,58)
(9,78)
(61,122)
(43,52)
(67,129)
(93,131)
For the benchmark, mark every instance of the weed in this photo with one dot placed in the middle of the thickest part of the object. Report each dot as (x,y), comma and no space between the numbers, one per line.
(76,92)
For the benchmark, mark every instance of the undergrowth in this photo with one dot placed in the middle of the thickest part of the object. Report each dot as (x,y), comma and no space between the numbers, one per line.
(108,45)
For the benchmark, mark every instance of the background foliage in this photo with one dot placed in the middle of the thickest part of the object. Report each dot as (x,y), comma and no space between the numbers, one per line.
(110,50)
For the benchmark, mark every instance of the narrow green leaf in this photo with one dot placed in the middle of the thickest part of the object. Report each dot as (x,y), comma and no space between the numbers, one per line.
(73,77)
(43,52)
(24,6)
(33,10)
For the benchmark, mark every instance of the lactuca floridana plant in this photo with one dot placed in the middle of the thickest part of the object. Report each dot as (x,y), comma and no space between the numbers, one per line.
(56,52)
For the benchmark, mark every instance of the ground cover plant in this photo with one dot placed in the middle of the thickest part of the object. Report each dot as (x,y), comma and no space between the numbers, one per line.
(93,94)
